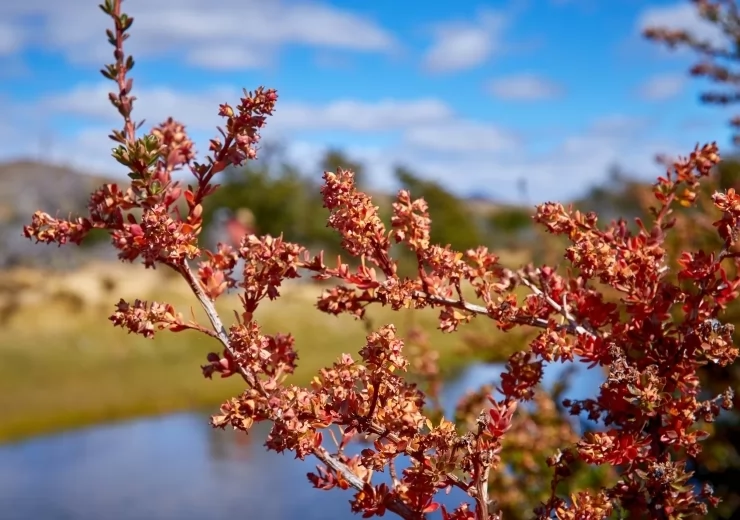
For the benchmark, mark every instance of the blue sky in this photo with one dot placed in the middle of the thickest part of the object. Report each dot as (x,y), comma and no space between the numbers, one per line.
(473,94)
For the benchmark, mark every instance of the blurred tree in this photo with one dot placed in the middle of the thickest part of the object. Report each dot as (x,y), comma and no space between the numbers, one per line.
(728,173)
(616,198)
(510,227)
(454,224)
(273,198)
(280,197)
(335,158)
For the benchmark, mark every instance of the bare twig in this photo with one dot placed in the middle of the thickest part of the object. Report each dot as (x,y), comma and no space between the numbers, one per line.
(562,309)
(481,488)
(221,334)
(395,505)
(572,325)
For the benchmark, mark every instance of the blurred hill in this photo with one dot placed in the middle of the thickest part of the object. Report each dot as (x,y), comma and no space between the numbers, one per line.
(280,197)
(27,186)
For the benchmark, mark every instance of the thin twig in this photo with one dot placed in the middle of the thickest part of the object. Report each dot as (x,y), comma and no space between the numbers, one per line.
(562,309)
(479,309)
(221,334)
(395,505)
(393,473)
(481,488)
(129,128)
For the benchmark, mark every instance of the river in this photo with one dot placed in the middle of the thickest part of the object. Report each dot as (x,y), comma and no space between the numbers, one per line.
(178,467)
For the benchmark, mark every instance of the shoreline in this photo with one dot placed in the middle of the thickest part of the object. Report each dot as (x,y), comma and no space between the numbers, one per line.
(28,429)
(63,366)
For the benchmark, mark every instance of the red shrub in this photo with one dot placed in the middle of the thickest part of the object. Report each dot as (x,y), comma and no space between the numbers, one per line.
(651,339)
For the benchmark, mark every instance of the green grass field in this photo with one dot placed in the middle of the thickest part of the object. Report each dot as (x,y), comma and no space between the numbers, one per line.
(62,368)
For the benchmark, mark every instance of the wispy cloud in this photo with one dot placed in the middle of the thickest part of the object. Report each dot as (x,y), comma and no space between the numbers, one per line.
(525,87)
(680,16)
(233,34)
(438,115)
(461,45)
(199,110)
(662,87)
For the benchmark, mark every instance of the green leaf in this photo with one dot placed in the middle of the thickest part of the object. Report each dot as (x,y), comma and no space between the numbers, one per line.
(151,143)
(126,22)
(119,154)
(107,7)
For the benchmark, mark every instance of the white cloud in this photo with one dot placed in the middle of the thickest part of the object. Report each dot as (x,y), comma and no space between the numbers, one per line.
(662,87)
(224,57)
(461,136)
(11,38)
(463,45)
(618,126)
(90,150)
(486,165)
(233,34)
(199,110)
(362,116)
(464,155)
(524,87)
(490,160)
(425,125)
(568,170)
(680,16)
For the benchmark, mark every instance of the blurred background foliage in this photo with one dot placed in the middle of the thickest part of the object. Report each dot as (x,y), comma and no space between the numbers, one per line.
(73,381)
(283,198)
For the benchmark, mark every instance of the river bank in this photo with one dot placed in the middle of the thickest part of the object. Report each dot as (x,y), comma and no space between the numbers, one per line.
(177,466)
(63,365)
(172,466)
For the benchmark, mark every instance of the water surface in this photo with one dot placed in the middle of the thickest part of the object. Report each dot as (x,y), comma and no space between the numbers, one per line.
(178,467)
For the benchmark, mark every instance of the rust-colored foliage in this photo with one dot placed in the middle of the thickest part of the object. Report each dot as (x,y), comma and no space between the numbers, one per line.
(716,59)
(651,340)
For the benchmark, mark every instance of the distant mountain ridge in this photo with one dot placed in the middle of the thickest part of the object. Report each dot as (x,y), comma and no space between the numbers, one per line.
(28,185)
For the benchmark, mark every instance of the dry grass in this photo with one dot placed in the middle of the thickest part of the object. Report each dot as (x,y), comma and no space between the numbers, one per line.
(60,369)
(63,365)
